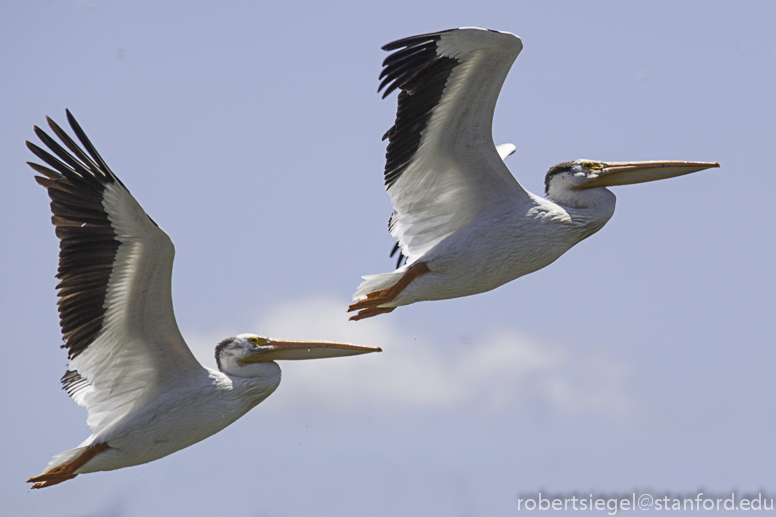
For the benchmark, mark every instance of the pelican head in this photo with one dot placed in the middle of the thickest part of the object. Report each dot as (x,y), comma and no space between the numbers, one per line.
(566,182)
(248,355)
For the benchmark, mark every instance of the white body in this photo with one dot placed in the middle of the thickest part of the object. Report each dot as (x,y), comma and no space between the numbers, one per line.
(495,249)
(176,418)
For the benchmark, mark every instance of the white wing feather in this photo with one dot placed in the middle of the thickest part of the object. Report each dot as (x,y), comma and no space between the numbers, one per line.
(140,349)
(457,175)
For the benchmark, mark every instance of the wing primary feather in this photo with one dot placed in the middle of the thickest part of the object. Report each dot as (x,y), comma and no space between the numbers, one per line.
(396,61)
(50,175)
(82,336)
(65,138)
(414,40)
(81,318)
(88,241)
(66,192)
(60,152)
(90,148)
(57,165)
(428,74)
(402,72)
(400,57)
(403,65)
(421,73)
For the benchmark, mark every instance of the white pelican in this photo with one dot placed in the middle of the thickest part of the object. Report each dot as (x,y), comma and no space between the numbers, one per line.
(463,222)
(146,394)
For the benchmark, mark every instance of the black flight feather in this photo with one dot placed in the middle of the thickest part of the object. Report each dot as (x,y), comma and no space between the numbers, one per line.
(76,183)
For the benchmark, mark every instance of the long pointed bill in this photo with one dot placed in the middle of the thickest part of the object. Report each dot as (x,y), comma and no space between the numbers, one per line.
(627,173)
(295,350)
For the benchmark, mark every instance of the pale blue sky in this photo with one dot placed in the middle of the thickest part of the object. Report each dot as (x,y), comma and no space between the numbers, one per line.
(642,359)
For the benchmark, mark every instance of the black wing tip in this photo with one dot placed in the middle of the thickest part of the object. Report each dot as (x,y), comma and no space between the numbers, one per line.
(412,57)
(414,40)
(88,243)
(84,158)
(387,92)
(38,131)
(73,382)
(54,126)
(72,121)
(397,247)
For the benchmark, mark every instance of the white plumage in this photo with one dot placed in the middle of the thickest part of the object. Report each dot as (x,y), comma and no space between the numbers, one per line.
(463,222)
(146,394)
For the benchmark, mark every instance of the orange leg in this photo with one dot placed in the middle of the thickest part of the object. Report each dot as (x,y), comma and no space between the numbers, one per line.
(370,306)
(67,471)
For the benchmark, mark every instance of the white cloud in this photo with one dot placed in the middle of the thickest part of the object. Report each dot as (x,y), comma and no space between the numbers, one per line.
(505,370)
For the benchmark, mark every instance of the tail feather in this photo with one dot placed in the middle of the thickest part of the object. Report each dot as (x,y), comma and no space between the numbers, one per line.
(68,456)
(66,465)
(374,283)
(65,457)
(57,470)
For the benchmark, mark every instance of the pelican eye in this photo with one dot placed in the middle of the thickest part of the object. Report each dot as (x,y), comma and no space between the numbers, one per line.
(592,166)
(255,341)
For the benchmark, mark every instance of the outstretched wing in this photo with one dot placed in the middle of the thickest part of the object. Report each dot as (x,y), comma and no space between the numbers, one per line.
(115,268)
(442,169)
